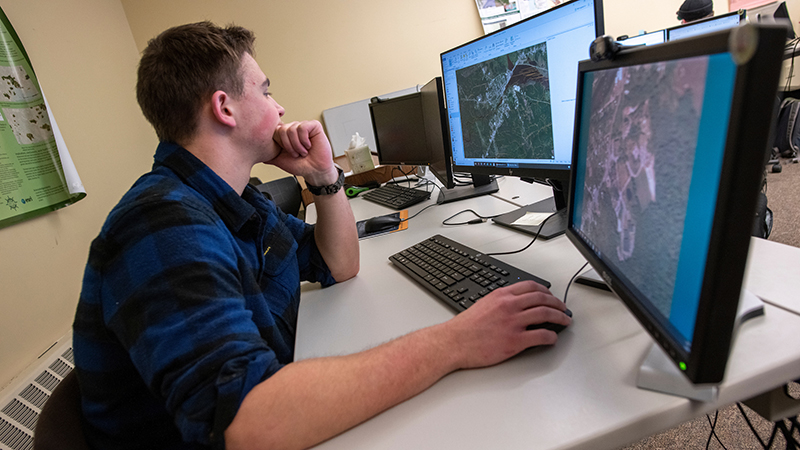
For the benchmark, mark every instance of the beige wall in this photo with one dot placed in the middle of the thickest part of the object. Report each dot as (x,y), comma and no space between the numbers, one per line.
(85,58)
(320,53)
(317,54)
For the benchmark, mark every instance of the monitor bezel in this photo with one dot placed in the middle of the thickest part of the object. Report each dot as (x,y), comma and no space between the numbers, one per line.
(663,34)
(446,178)
(741,13)
(752,116)
(376,102)
(546,170)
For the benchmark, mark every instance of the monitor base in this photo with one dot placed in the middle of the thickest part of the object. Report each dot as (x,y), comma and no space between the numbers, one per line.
(465,192)
(659,373)
(555,226)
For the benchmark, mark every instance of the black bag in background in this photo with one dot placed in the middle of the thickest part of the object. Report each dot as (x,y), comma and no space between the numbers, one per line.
(787,133)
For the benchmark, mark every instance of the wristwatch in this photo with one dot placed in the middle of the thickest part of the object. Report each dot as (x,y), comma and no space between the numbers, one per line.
(329,189)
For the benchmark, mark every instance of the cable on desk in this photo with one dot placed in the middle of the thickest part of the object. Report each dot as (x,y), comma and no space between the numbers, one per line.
(713,432)
(459,179)
(566,291)
(418,212)
(480,218)
(531,243)
(408,179)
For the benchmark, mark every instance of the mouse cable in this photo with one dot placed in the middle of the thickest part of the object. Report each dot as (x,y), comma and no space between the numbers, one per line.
(531,243)
(566,291)
(418,212)
(713,432)
(480,218)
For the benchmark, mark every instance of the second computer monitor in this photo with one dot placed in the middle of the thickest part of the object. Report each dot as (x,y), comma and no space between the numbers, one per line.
(434,115)
(399,130)
(511,98)
(716,23)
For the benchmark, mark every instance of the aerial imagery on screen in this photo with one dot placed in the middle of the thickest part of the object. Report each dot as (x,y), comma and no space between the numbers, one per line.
(498,98)
(643,130)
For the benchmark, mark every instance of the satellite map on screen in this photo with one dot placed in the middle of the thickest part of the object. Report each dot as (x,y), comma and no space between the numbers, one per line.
(505,106)
(642,138)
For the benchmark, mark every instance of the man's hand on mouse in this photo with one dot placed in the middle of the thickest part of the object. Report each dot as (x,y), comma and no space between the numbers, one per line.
(305,151)
(494,329)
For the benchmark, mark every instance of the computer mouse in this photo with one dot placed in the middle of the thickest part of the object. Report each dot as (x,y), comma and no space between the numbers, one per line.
(557,327)
(381,223)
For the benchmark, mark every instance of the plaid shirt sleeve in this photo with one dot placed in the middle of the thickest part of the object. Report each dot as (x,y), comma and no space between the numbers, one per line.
(312,266)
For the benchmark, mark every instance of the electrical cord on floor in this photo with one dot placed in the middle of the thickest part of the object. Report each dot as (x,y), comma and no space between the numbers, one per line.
(752,428)
(531,243)
(566,291)
(713,431)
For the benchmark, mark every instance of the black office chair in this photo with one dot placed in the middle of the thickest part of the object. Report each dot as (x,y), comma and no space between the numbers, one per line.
(59,424)
(285,192)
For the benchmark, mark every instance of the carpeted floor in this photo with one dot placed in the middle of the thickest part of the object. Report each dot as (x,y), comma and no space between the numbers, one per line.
(783,198)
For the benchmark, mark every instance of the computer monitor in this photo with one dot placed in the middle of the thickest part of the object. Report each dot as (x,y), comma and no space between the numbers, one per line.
(669,151)
(511,101)
(716,23)
(434,115)
(652,38)
(775,12)
(399,130)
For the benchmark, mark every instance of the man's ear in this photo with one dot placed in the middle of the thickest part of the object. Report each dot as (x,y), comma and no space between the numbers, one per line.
(222,106)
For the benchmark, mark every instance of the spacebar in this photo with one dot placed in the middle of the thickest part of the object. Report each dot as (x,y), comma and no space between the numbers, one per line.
(416,269)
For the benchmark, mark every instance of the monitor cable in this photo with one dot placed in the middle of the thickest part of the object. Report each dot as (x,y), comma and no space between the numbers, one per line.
(531,243)
(479,219)
(566,291)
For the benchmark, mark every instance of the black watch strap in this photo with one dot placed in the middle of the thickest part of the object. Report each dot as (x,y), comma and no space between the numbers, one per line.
(329,189)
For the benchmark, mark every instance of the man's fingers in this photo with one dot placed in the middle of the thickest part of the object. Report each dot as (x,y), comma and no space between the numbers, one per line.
(544,314)
(522,287)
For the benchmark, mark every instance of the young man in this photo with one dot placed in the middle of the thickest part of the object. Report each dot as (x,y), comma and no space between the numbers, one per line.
(184,332)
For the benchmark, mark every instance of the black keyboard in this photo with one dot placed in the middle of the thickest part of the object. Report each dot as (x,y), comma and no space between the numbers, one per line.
(396,197)
(455,273)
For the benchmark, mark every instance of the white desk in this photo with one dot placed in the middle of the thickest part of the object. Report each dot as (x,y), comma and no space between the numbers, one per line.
(580,393)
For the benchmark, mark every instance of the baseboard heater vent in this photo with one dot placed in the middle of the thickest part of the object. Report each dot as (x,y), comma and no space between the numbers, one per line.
(22,402)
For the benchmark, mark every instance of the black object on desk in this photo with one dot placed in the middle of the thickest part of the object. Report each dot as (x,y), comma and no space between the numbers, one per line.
(396,197)
(393,222)
(458,275)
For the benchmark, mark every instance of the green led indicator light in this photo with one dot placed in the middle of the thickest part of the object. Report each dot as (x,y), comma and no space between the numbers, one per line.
(682,365)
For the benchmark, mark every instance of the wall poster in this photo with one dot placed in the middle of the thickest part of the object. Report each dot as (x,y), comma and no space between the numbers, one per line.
(37,175)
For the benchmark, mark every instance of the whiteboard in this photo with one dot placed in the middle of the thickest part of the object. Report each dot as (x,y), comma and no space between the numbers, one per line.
(342,122)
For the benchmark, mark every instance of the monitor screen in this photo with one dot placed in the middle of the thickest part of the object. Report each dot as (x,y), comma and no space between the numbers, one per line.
(652,38)
(717,23)
(511,94)
(399,130)
(664,187)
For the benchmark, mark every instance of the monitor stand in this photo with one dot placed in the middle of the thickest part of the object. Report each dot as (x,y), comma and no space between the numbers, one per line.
(659,373)
(481,185)
(555,226)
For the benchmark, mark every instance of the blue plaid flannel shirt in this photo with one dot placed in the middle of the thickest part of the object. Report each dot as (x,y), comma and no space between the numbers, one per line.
(189,300)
